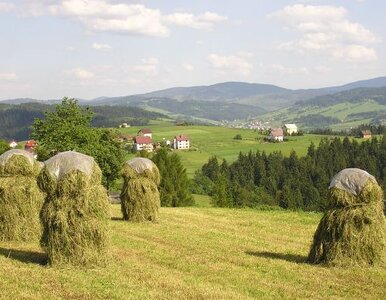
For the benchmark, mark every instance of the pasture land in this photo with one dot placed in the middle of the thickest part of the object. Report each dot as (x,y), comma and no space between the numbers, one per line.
(195,253)
(207,141)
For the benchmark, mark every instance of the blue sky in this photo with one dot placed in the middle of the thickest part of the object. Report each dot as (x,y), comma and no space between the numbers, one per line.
(90,48)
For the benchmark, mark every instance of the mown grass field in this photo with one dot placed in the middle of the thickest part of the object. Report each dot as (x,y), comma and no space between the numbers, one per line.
(208,141)
(195,253)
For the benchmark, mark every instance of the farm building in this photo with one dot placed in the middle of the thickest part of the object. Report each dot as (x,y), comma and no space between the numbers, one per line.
(276,134)
(143,143)
(181,142)
(366,134)
(145,132)
(12,144)
(290,128)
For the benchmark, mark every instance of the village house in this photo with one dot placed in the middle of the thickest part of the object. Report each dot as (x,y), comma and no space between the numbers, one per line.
(181,142)
(124,125)
(30,146)
(276,135)
(290,129)
(143,143)
(366,134)
(145,132)
(12,144)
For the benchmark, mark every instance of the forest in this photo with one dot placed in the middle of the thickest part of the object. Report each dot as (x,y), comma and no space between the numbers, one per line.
(16,120)
(258,178)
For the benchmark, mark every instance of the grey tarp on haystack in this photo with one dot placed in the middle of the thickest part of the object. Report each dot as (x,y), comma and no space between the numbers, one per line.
(140,164)
(65,162)
(7,155)
(351,180)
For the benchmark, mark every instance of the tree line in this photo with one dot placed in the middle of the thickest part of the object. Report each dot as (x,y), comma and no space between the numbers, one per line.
(258,178)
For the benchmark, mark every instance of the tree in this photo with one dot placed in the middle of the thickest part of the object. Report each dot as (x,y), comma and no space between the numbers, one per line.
(3,146)
(68,127)
(174,186)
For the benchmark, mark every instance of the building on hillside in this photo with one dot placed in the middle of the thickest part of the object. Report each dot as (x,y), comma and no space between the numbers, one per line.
(366,134)
(143,143)
(276,135)
(12,144)
(181,142)
(124,125)
(145,132)
(290,129)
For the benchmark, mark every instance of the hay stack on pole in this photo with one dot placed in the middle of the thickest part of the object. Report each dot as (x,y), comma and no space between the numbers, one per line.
(20,197)
(75,212)
(140,198)
(352,229)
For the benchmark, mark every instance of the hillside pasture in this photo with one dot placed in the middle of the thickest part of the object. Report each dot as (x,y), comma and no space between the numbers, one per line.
(195,253)
(207,141)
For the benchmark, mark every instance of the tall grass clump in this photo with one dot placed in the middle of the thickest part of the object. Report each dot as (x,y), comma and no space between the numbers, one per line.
(20,198)
(140,198)
(75,212)
(352,229)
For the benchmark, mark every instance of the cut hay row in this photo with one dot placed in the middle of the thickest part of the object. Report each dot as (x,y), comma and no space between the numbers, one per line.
(20,198)
(75,212)
(352,230)
(140,198)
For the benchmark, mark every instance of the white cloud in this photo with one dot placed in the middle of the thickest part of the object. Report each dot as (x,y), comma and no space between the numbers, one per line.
(80,73)
(285,70)
(187,67)
(202,21)
(328,31)
(148,67)
(7,7)
(103,15)
(69,49)
(8,76)
(101,47)
(232,63)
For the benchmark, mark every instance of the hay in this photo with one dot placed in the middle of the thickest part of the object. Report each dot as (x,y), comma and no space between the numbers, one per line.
(20,197)
(351,231)
(75,212)
(140,198)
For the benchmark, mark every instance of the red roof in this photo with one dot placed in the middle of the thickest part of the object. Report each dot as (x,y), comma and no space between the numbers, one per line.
(143,140)
(30,144)
(145,131)
(276,132)
(181,138)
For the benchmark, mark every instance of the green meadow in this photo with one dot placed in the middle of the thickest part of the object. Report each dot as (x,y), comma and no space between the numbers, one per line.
(194,253)
(207,141)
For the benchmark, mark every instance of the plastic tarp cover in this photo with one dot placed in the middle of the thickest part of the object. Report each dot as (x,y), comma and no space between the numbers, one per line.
(351,180)
(65,162)
(7,155)
(140,164)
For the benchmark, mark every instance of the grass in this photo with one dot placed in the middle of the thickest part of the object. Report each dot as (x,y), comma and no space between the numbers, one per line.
(195,253)
(207,141)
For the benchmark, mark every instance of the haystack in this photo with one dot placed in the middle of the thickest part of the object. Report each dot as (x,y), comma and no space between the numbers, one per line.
(352,230)
(140,198)
(20,197)
(75,212)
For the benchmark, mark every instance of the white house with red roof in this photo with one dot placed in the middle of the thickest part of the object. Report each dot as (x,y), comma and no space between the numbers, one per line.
(143,143)
(145,132)
(276,134)
(12,144)
(181,142)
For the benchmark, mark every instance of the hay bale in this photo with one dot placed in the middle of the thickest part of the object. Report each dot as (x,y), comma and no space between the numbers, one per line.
(352,230)
(140,198)
(20,197)
(75,212)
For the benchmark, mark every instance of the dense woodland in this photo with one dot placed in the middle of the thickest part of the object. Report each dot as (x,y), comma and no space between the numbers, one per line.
(289,182)
(16,120)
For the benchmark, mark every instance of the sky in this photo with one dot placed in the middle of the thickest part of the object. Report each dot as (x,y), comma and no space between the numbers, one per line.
(92,48)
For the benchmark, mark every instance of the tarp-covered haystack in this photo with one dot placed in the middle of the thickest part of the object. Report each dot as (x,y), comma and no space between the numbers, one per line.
(140,198)
(76,210)
(20,197)
(352,230)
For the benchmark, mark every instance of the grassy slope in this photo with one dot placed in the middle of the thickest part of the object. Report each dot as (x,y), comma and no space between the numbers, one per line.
(340,111)
(195,253)
(212,140)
